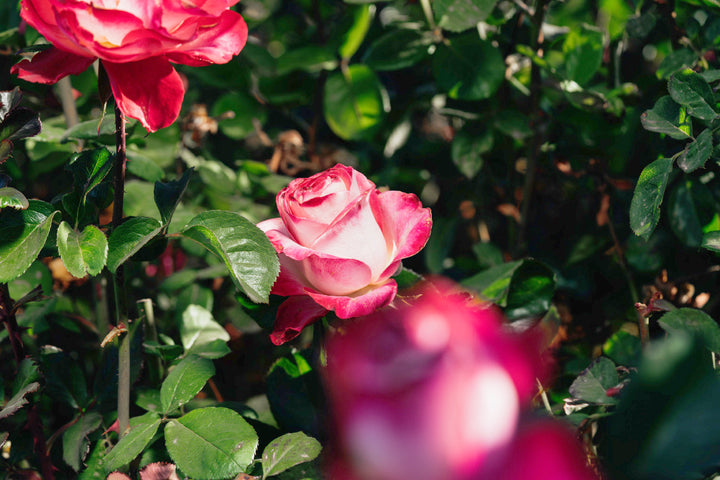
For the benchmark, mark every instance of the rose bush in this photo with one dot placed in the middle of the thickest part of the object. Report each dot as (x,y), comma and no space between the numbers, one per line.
(339,241)
(435,391)
(136,40)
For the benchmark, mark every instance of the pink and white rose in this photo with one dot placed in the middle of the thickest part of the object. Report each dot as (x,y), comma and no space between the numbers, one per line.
(137,42)
(340,240)
(438,390)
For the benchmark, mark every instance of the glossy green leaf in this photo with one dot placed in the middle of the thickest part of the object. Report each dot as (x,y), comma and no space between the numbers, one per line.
(669,118)
(76,444)
(648,196)
(184,381)
(583,49)
(22,236)
(623,348)
(211,443)
(198,329)
(493,283)
(683,215)
(92,130)
(398,49)
(468,68)
(531,289)
(690,90)
(25,383)
(142,431)
(89,168)
(308,58)
(468,146)
(168,194)
(697,152)
(592,384)
(82,253)
(244,248)
(677,60)
(129,238)
(460,15)
(353,103)
(287,451)
(362,16)
(13,198)
(143,167)
(711,241)
(695,322)
(19,123)
(291,391)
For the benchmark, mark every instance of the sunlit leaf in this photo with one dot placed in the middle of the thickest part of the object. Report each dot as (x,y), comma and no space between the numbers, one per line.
(353,103)
(648,195)
(83,253)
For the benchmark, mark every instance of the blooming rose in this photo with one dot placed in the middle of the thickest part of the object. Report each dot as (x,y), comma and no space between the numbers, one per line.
(136,40)
(339,241)
(435,391)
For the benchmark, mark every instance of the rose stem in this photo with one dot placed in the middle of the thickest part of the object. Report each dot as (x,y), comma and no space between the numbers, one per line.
(7,317)
(119,278)
(155,365)
(534,147)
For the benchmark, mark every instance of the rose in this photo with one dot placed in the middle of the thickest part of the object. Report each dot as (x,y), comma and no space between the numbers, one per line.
(435,391)
(136,41)
(339,241)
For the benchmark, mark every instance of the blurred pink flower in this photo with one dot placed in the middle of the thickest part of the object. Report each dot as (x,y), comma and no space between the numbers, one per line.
(339,241)
(436,391)
(136,40)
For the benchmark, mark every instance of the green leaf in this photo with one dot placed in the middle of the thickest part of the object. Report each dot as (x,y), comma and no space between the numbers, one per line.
(76,444)
(92,130)
(362,17)
(512,123)
(690,90)
(468,146)
(531,289)
(89,169)
(244,110)
(142,431)
(683,216)
(143,167)
(167,195)
(697,152)
(493,283)
(648,196)
(130,237)
(309,58)
(460,15)
(623,348)
(711,241)
(244,248)
(198,329)
(22,236)
(25,382)
(292,388)
(353,103)
(669,118)
(82,253)
(211,443)
(287,451)
(677,60)
(398,49)
(592,384)
(13,198)
(184,381)
(64,380)
(695,322)
(19,123)
(583,49)
(468,68)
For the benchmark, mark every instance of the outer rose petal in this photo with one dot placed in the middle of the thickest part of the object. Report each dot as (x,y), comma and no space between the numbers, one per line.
(294,314)
(149,90)
(368,301)
(213,44)
(547,451)
(405,221)
(51,65)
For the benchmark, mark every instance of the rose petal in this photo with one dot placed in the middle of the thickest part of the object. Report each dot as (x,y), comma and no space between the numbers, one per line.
(51,65)
(363,303)
(293,315)
(41,16)
(549,452)
(215,40)
(149,90)
(319,270)
(357,234)
(405,221)
(291,280)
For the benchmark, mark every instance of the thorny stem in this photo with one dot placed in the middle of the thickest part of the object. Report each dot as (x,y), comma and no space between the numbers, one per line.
(535,82)
(7,318)
(119,278)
